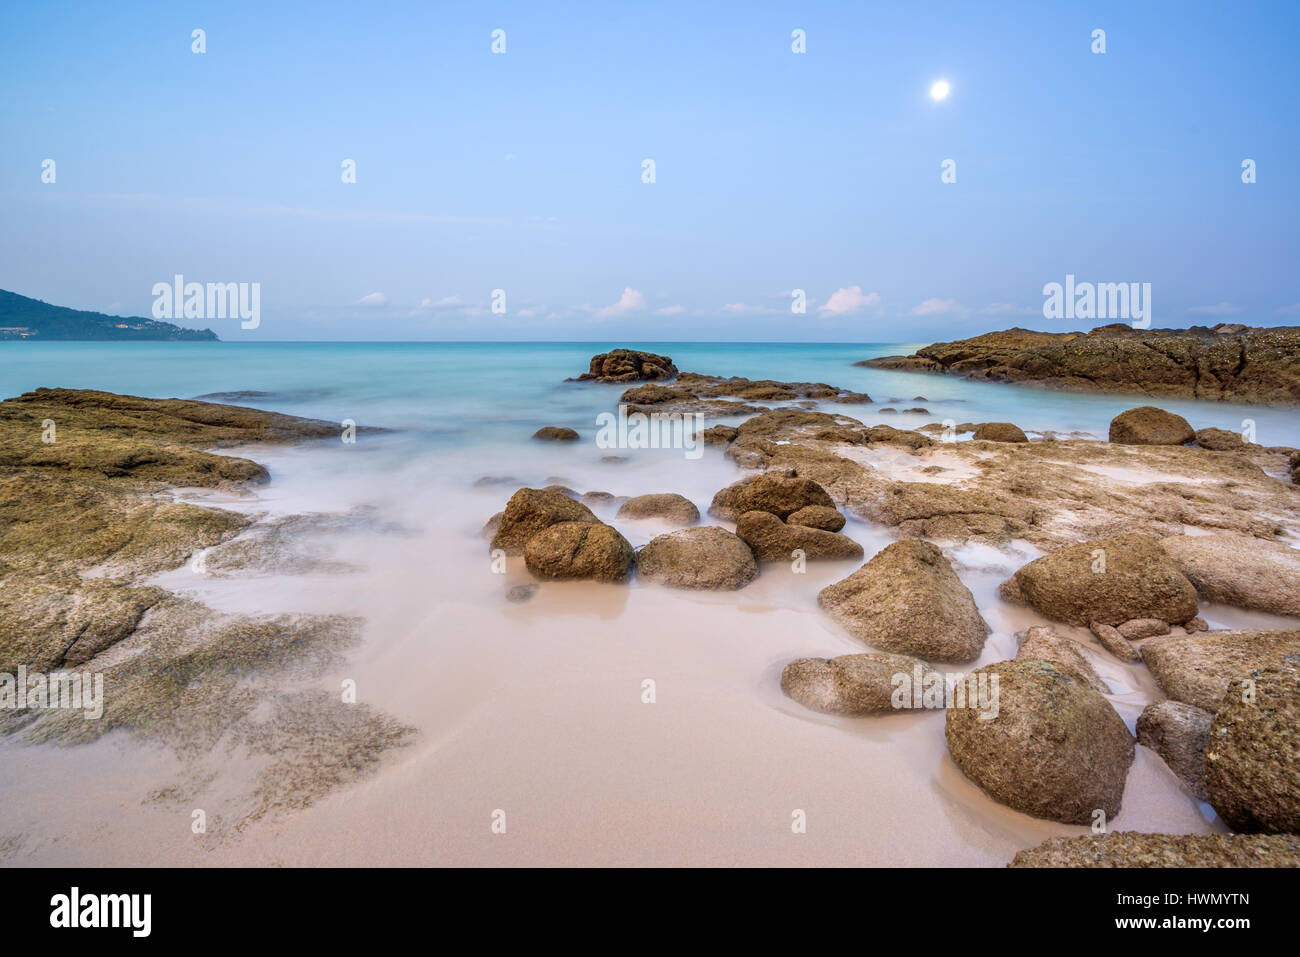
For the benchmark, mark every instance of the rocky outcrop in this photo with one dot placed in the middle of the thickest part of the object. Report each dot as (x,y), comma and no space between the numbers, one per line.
(529,511)
(1000,432)
(1133,849)
(1178,733)
(1147,425)
(629,365)
(579,550)
(1224,363)
(1043,644)
(705,557)
(1107,580)
(1240,570)
(1056,750)
(772,540)
(1252,760)
(1197,669)
(667,506)
(850,684)
(556,433)
(907,599)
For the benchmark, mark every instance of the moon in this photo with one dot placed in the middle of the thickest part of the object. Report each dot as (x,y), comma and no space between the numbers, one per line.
(940,90)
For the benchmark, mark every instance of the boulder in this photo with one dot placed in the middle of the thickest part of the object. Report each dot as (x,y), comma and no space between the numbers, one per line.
(719,435)
(907,599)
(850,684)
(1133,849)
(817,516)
(1138,628)
(1178,733)
(669,506)
(1055,750)
(1110,639)
(629,365)
(529,511)
(1000,432)
(1147,425)
(1108,580)
(1043,644)
(1252,760)
(1240,570)
(556,433)
(579,550)
(1197,669)
(772,540)
(703,557)
(1219,440)
(770,492)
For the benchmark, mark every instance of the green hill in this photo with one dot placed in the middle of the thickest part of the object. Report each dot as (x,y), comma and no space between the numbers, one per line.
(32,319)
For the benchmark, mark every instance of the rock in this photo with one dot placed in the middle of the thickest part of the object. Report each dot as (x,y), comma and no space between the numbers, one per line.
(1147,425)
(521,592)
(772,540)
(1056,750)
(598,498)
(888,435)
(781,495)
(529,511)
(1219,440)
(579,550)
(1252,760)
(1132,849)
(702,557)
(556,433)
(1114,642)
(1193,625)
(1000,432)
(907,599)
(1043,644)
(490,527)
(613,459)
(1109,580)
(850,684)
(1197,669)
(918,411)
(629,365)
(1178,733)
(719,435)
(1240,570)
(1139,628)
(669,506)
(817,516)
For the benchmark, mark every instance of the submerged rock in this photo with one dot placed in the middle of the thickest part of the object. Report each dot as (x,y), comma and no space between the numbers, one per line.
(1133,849)
(1197,669)
(850,684)
(1055,750)
(772,540)
(1240,570)
(529,511)
(668,506)
(907,599)
(704,557)
(1178,733)
(1147,425)
(1252,760)
(556,433)
(579,550)
(1107,580)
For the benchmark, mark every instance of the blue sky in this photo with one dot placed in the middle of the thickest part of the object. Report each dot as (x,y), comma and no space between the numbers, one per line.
(774,171)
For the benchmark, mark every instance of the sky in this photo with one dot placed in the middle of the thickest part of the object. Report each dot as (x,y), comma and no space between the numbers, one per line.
(774,171)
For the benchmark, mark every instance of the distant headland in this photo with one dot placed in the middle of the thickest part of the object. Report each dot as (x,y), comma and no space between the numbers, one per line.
(31,319)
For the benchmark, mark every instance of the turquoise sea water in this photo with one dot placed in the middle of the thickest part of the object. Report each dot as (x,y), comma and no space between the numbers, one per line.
(471,393)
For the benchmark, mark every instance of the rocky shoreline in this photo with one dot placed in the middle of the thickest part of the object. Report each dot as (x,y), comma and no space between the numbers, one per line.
(1230,363)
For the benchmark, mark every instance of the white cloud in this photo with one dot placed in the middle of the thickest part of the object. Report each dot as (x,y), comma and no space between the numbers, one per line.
(446,302)
(630,301)
(1218,309)
(671,310)
(849,299)
(937,307)
(375,299)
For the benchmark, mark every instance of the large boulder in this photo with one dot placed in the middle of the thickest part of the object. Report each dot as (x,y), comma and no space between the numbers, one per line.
(1000,432)
(1107,580)
(1044,644)
(1219,440)
(703,557)
(1197,669)
(771,492)
(1055,750)
(579,550)
(907,599)
(772,540)
(529,511)
(629,365)
(1147,425)
(1178,733)
(1252,760)
(1240,570)
(850,684)
(1134,849)
(817,516)
(669,506)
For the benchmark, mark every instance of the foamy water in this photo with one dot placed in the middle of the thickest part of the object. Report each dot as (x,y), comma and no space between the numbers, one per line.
(535,709)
